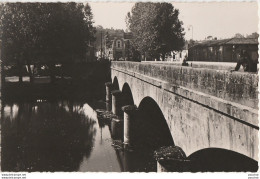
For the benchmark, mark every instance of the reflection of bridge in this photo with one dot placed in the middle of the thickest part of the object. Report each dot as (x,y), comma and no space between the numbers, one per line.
(203,108)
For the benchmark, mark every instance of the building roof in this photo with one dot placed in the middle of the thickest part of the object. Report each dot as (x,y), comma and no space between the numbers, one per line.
(231,41)
(120,35)
(113,36)
(243,41)
(128,35)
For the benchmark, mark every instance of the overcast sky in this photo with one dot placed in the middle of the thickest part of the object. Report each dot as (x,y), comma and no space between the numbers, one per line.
(218,19)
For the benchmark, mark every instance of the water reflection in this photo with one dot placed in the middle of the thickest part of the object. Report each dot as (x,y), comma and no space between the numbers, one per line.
(45,136)
(66,135)
(138,159)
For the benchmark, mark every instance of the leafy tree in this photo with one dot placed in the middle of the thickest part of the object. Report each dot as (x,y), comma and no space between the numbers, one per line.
(18,33)
(156,28)
(191,43)
(238,35)
(45,33)
(253,35)
(132,53)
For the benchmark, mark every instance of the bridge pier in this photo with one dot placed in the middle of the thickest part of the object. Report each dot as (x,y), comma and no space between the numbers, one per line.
(116,128)
(108,106)
(116,95)
(108,91)
(172,159)
(129,113)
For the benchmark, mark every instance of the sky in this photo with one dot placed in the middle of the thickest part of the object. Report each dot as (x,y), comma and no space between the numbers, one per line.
(217,19)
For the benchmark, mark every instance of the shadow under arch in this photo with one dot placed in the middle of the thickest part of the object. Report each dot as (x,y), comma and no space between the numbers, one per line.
(150,127)
(127,96)
(115,84)
(218,160)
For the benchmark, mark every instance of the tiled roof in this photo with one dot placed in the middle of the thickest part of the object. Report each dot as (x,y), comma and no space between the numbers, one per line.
(128,35)
(231,41)
(112,36)
(243,41)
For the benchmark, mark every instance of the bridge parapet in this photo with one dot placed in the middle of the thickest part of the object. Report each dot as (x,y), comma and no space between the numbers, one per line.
(202,64)
(237,87)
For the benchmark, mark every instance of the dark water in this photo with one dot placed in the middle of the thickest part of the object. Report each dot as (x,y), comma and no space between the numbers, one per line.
(65,135)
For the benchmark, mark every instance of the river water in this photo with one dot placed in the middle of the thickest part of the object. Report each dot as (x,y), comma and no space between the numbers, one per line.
(65,135)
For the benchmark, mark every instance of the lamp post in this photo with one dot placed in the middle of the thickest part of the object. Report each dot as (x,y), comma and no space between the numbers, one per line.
(101,46)
(191,27)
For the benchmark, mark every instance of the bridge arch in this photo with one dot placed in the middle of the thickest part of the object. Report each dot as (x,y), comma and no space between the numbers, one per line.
(127,96)
(219,160)
(115,84)
(150,125)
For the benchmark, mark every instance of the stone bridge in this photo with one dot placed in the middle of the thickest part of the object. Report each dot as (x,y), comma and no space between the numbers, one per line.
(203,107)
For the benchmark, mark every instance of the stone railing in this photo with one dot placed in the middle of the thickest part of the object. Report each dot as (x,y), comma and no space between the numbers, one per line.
(236,87)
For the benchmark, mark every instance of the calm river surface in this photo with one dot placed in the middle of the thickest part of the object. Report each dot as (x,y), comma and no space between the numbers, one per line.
(65,135)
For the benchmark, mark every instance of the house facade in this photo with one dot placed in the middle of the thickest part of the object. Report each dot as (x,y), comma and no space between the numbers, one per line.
(226,50)
(178,56)
(117,46)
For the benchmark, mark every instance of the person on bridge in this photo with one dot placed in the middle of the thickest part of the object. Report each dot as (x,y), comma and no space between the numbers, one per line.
(184,62)
(247,63)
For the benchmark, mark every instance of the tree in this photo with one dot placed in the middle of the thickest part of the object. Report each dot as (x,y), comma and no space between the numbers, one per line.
(238,35)
(69,29)
(156,28)
(254,35)
(18,33)
(191,43)
(45,33)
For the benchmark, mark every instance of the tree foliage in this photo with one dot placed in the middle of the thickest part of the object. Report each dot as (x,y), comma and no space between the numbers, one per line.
(253,35)
(45,33)
(156,28)
(238,35)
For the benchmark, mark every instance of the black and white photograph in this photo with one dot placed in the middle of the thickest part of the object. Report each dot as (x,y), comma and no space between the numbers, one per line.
(129,86)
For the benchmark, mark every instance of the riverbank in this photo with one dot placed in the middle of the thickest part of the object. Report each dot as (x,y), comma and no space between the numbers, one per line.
(60,89)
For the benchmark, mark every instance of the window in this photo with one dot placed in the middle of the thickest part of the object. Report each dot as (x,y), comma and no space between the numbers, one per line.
(118,44)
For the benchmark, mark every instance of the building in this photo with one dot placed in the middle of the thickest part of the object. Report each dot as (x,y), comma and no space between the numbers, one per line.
(178,56)
(117,46)
(226,50)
